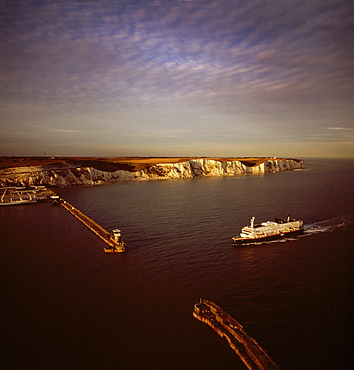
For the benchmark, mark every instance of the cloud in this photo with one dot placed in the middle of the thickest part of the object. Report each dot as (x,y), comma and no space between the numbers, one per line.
(243,66)
(341,128)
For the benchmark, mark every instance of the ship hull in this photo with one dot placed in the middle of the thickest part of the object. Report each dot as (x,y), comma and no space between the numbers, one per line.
(242,241)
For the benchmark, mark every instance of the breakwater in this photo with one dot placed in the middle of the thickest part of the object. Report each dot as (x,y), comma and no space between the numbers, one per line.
(21,195)
(114,246)
(250,352)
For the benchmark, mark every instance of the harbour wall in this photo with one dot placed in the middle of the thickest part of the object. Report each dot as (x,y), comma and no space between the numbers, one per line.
(246,347)
(93,226)
(198,167)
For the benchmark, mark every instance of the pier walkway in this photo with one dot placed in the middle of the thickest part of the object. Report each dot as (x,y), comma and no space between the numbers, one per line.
(249,351)
(22,195)
(93,226)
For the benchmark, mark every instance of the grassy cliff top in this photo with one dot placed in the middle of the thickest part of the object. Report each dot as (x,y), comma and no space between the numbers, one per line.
(111,164)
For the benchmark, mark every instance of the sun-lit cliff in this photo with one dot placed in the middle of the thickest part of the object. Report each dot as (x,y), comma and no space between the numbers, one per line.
(71,174)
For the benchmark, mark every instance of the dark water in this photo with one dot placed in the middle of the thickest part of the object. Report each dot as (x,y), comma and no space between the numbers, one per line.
(67,305)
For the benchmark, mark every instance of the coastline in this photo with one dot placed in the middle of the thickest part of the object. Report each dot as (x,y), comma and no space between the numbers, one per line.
(54,171)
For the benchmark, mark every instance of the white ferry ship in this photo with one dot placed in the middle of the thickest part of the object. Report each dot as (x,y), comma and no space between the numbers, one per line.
(268,230)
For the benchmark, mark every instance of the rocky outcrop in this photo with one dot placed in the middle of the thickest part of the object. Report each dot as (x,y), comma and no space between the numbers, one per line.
(199,167)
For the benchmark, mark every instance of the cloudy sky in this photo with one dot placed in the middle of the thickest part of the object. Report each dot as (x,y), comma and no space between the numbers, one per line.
(177,78)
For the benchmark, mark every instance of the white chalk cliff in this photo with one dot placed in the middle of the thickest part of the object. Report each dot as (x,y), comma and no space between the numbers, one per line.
(38,175)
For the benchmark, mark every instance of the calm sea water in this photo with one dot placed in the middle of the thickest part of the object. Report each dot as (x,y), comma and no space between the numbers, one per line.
(67,305)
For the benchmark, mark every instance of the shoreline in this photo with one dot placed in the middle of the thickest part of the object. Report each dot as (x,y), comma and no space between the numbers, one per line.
(54,171)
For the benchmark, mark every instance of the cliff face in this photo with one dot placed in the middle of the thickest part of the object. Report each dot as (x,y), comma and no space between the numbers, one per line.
(38,175)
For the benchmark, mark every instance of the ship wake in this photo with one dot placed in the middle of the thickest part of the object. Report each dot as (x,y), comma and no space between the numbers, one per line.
(340,222)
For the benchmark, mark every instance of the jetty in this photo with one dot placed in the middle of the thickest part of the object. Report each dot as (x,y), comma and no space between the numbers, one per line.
(115,244)
(249,351)
(41,194)
(19,195)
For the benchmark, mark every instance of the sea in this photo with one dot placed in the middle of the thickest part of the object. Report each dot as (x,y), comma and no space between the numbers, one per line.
(68,305)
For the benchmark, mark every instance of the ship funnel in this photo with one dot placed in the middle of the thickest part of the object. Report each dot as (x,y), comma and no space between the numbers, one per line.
(252,222)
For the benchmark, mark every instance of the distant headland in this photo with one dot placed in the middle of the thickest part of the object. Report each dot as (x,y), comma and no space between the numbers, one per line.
(68,171)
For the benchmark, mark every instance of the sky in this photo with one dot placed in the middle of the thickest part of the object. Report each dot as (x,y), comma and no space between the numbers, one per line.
(216,78)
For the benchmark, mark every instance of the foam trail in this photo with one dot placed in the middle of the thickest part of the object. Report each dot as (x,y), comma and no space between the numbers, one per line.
(329,225)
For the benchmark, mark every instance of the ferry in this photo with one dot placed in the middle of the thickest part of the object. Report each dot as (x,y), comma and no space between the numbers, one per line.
(268,230)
